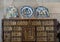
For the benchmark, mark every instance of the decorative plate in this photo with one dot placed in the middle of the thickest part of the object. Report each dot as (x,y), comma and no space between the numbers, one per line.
(11,12)
(26,11)
(41,12)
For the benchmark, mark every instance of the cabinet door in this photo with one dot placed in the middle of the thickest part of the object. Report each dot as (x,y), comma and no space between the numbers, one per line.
(29,34)
(7,37)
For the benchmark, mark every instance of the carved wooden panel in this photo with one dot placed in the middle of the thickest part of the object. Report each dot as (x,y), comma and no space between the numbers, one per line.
(29,30)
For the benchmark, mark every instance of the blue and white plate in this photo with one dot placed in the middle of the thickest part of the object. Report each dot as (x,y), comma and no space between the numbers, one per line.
(41,12)
(26,11)
(12,12)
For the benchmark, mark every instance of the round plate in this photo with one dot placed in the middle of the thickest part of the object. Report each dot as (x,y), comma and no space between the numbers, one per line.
(26,11)
(11,12)
(41,12)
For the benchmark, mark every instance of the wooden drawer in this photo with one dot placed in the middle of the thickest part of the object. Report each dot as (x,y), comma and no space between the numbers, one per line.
(51,39)
(51,22)
(36,22)
(7,28)
(29,38)
(13,23)
(16,39)
(41,33)
(6,35)
(50,34)
(9,22)
(48,22)
(45,23)
(40,28)
(17,29)
(42,39)
(45,41)
(50,28)
(16,34)
(6,40)
(22,22)
(6,22)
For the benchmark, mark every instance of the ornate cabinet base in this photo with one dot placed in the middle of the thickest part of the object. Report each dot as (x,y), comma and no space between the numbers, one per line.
(29,30)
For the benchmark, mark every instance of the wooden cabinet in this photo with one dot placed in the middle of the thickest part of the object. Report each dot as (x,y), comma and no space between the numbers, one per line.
(29,30)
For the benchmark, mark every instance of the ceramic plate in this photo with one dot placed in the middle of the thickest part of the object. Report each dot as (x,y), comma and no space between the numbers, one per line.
(26,11)
(41,12)
(11,12)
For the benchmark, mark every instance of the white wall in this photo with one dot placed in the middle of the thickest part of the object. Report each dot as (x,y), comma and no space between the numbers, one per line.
(52,5)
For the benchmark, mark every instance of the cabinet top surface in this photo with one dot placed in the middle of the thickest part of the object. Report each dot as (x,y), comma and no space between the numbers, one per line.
(29,19)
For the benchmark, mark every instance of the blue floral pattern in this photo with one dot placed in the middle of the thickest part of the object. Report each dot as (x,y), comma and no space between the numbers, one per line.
(26,11)
(41,12)
(12,12)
